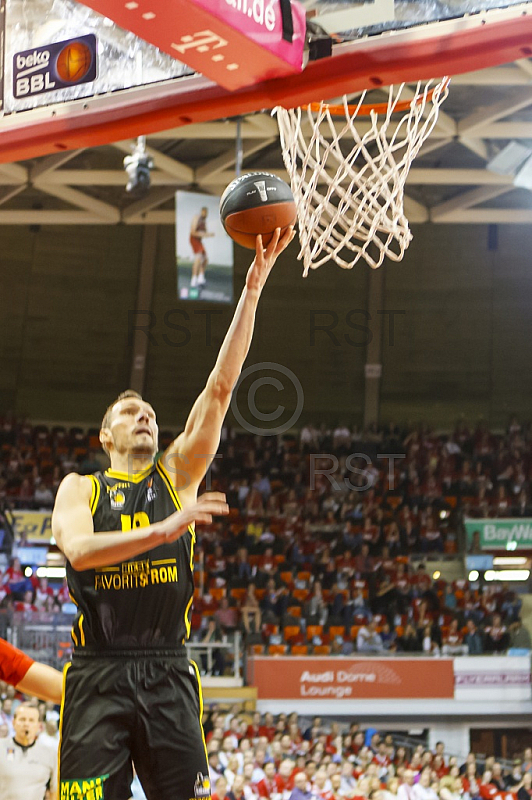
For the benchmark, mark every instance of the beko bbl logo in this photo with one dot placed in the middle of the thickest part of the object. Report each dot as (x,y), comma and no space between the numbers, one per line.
(54,66)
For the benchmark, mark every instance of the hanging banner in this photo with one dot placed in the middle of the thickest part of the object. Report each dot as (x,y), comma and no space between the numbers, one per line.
(508,533)
(204,251)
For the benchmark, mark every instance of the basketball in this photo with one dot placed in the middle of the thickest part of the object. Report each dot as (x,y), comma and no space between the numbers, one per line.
(73,62)
(257,202)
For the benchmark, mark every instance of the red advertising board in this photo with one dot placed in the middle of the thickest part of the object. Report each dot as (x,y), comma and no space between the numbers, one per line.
(235,43)
(339,678)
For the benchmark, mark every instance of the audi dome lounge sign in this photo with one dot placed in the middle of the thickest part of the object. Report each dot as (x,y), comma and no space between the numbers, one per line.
(345,678)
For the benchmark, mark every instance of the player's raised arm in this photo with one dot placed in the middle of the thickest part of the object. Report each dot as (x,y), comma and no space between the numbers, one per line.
(73,529)
(189,456)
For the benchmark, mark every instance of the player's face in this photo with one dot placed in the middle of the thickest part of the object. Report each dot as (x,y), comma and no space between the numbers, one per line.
(26,725)
(133,427)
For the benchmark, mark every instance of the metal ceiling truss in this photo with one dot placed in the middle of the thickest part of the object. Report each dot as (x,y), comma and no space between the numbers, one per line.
(481,127)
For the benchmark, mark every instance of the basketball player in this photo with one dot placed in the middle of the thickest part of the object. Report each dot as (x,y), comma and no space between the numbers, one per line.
(198,232)
(128,537)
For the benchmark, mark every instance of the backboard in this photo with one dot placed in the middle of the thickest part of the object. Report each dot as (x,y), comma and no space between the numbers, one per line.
(137,88)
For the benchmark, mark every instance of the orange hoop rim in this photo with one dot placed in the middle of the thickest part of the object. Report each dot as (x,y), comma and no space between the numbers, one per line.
(367,109)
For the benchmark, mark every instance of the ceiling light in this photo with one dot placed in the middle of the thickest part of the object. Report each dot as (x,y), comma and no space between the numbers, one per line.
(51,572)
(509,159)
(510,561)
(507,574)
(473,575)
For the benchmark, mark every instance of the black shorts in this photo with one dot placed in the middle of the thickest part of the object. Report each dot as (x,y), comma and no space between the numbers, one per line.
(144,708)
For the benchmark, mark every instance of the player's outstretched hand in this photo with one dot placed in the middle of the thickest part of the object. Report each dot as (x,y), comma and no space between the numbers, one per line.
(265,258)
(202,511)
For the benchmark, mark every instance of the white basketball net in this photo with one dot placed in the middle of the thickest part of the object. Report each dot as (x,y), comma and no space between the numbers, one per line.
(351,198)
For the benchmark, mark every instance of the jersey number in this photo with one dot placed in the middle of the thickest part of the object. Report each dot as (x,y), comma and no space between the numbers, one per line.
(139,520)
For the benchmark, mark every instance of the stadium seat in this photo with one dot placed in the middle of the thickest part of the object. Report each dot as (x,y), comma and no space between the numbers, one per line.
(314,630)
(291,632)
(299,650)
(322,650)
(294,611)
(337,630)
(276,649)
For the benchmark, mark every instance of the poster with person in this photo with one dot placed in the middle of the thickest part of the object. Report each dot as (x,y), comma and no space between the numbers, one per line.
(204,251)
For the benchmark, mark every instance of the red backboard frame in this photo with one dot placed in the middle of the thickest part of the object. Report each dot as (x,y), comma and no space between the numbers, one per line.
(452,47)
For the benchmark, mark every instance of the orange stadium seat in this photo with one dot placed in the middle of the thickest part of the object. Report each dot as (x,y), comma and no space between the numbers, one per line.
(300,594)
(291,632)
(257,649)
(294,611)
(314,630)
(286,577)
(238,594)
(322,650)
(337,630)
(299,650)
(217,592)
(276,649)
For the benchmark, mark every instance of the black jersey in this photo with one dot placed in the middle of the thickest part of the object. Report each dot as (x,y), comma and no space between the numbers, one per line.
(143,602)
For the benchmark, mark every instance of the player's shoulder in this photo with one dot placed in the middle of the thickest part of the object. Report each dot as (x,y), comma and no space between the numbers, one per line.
(73,483)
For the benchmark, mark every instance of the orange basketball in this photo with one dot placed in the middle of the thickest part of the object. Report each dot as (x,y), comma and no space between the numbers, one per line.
(73,62)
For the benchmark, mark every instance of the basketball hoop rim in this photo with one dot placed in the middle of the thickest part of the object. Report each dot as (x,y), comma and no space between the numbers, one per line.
(366,109)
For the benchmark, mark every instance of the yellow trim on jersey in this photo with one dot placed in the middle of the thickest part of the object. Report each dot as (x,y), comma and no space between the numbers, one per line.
(163,472)
(95,496)
(164,561)
(187,618)
(200,707)
(65,670)
(74,637)
(137,477)
(81,631)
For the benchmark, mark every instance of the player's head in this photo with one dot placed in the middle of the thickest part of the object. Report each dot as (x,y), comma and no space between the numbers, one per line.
(26,723)
(129,426)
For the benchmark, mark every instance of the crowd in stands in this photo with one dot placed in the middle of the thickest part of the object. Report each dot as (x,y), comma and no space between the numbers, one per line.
(253,756)
(286,758)
(317,553)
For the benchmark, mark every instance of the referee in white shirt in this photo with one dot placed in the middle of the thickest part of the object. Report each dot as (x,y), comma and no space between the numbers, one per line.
(28,766)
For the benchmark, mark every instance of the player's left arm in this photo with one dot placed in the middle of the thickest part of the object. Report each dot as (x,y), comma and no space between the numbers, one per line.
(189,456)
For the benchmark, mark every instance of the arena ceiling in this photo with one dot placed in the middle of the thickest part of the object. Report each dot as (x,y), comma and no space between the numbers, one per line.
(450,181)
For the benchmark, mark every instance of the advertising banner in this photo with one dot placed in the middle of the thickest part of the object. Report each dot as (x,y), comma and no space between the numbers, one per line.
(204,251)
(33,526)
(505,677)
(341,678)
(512,533)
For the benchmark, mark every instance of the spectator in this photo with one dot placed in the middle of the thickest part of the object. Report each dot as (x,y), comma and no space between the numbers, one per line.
(423,789)
(524,789)
(473,639)
(226,616)
(300,791)
(519,635)
(453,644)
(368,640)
(496,636)
(409,641)
(250,611)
